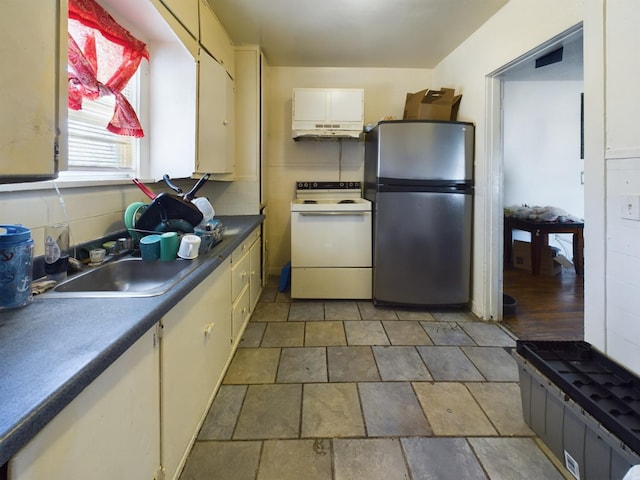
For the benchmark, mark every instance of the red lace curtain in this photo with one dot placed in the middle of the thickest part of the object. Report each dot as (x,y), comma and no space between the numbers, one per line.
(103,56)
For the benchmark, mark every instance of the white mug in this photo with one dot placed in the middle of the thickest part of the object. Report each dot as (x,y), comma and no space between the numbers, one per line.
(189,246)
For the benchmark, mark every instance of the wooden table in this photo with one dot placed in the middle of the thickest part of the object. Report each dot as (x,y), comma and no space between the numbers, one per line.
(540,238)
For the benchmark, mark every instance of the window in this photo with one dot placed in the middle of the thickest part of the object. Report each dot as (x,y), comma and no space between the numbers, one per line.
(92,148)
(104,92)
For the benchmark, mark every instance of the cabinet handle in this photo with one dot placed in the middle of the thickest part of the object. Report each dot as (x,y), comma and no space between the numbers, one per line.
(225,122)
(208,328)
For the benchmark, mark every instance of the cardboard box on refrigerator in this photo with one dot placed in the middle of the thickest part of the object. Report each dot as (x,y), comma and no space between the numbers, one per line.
(428,104)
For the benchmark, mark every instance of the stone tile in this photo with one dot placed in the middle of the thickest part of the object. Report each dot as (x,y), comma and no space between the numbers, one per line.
(382,412)
(454,316)
(253,365)
(302,365)
(324,334)
(368,311)
(295,459)
(400,363)
(270,412)
(413,314)
(441,459)
(223,414)
(503,405)
(513,459)
(351,364)
(252,335)
(273,281)
(339,310)
(447,333)
(228,460)
(283,297)
(449,364)
(451,410)
(331,410)
(269,294)
(365,333)
(270,312)
(306,311)
(494,363)
(284,335)
(488,335)
(370,459)
(403,332)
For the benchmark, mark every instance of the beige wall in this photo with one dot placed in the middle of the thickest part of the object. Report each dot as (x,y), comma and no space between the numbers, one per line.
(519,27)
(288,161)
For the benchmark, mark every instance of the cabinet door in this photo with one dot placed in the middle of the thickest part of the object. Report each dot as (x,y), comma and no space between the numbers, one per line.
(215,39)
(310,105)
(109,431)
(186,11)
(346,105)
(196,344)
(215,117)
(255,273)
(30,89)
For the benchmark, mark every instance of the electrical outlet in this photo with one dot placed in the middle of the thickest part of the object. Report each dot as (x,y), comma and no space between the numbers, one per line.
(630,207)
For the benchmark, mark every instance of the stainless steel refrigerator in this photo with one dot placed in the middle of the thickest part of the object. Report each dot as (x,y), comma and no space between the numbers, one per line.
(418,174)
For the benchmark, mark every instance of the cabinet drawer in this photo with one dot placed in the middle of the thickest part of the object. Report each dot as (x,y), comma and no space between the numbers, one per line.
(244,247)
(240,276)
(240,313)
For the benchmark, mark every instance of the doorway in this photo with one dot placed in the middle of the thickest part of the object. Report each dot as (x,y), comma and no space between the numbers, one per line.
(535,147)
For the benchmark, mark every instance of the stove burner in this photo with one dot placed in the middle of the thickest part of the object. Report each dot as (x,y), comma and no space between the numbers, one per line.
(310,201)
(348,200)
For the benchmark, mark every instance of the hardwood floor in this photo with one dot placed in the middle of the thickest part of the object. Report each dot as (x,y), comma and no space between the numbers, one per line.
(548,308)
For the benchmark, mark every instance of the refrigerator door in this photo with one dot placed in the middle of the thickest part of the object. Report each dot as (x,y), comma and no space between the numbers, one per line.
(422,248)
(416,151)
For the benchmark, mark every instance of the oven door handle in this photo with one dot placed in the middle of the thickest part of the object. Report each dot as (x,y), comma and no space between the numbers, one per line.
(330,214)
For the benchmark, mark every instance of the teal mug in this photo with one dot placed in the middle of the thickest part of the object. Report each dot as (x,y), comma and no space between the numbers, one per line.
(169,243)
(150,247)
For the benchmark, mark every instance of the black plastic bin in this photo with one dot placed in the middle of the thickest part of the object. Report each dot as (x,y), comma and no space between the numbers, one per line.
(582,404)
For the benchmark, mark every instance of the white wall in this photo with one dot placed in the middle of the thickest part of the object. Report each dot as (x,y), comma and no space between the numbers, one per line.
(288,161)
(542,164)
(620,337)
(519,27)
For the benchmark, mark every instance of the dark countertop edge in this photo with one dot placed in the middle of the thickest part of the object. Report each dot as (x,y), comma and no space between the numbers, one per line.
(24,429)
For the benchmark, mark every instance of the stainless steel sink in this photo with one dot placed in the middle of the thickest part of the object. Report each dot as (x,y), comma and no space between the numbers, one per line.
(125,277)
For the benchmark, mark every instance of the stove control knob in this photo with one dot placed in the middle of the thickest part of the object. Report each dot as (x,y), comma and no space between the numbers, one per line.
(341,184)
(315,185)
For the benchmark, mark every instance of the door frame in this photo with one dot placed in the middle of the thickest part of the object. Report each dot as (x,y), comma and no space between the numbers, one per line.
(494,174)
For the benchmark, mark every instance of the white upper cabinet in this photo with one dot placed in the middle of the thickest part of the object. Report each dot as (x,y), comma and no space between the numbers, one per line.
(215,119)
(186,11)
(214,38)
(31,93)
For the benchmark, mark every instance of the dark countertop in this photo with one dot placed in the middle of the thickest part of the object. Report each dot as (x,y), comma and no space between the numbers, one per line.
(53,348)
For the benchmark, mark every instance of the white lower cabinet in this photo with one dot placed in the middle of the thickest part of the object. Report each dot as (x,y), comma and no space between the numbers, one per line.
(246,282)
(110,430)
(255,273)
(140,417)
(195,348)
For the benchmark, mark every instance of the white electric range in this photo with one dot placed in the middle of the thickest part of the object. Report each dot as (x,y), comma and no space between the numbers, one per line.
(330,241)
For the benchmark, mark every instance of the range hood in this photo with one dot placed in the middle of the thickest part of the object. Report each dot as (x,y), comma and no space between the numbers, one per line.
(327,113)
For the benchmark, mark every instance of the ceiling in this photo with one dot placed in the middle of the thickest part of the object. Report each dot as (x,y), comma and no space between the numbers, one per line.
(354,33)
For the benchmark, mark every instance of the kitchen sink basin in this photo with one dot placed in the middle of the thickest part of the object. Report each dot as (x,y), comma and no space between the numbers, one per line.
(125,277)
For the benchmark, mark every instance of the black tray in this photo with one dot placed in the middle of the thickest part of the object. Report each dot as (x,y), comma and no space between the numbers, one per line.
(603,388)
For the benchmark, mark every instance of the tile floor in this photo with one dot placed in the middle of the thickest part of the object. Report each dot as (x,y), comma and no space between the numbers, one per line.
(344,390)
